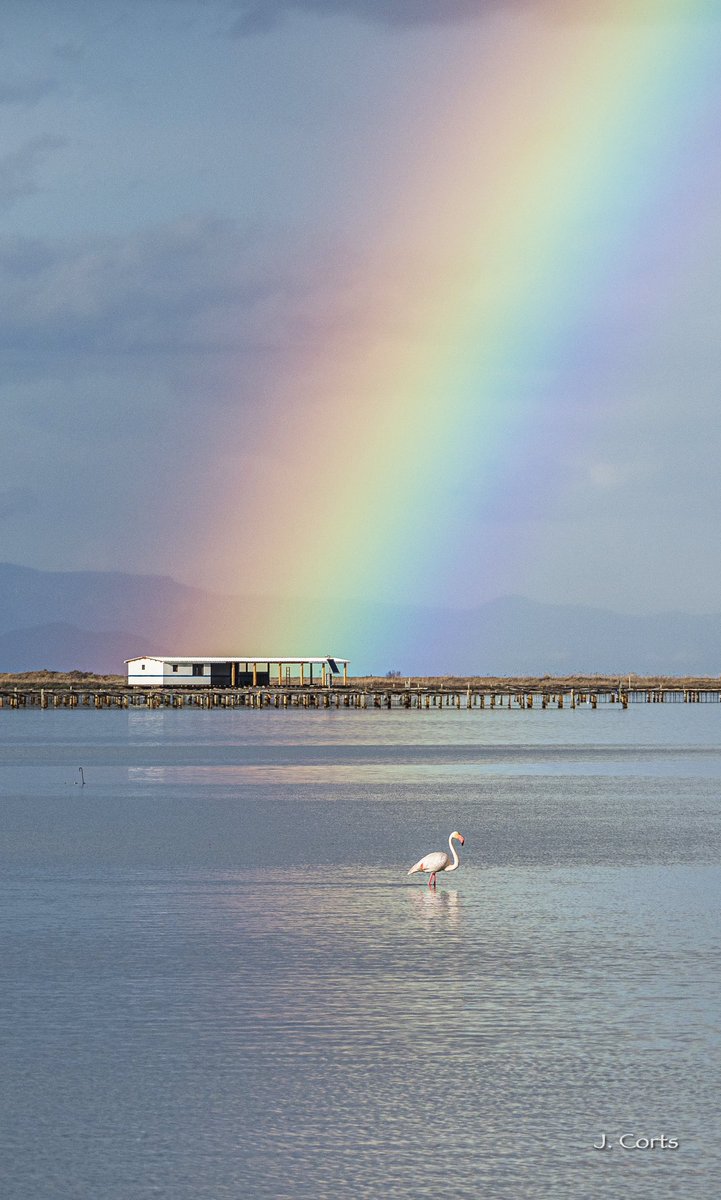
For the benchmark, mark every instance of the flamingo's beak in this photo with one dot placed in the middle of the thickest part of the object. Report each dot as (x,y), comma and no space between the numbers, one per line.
(462,841)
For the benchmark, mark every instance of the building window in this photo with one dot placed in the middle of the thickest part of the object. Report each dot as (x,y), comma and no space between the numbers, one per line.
(198,669)
(142,666)
(175,667)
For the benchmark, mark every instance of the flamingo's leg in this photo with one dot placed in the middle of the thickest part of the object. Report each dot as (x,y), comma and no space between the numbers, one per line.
(432,880)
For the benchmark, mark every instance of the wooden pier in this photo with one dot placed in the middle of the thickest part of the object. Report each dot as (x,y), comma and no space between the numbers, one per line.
(471,696)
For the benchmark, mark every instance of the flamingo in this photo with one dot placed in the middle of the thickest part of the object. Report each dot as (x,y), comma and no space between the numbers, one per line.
(438,860)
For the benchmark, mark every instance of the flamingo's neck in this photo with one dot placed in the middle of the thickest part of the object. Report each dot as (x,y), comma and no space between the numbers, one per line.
(456,859)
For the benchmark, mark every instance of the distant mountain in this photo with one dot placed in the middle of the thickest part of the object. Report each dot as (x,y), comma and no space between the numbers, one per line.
(67,620)
(61,647)
(519,636)
(93,600)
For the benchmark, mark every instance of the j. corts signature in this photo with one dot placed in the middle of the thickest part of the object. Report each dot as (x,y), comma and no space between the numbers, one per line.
(630,1141)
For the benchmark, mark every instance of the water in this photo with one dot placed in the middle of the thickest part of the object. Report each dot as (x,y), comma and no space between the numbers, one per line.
(218,980)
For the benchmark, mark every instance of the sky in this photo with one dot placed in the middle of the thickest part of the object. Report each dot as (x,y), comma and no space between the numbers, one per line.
(399,300)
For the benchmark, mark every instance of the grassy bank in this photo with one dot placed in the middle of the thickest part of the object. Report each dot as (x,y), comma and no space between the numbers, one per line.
(501,683)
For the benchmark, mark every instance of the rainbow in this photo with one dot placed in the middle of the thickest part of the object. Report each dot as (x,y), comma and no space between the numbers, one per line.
(459,339)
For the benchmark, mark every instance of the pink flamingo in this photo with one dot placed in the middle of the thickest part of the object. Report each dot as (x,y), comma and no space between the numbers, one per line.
(438,860)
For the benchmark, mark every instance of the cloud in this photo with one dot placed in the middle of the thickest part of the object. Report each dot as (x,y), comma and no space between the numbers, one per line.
(70,52)
(17,502)
(19,169)
(257,16)
(28,93)
(196,298)
(196,284)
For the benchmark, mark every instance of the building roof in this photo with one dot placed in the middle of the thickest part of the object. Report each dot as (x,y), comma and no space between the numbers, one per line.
(226,658)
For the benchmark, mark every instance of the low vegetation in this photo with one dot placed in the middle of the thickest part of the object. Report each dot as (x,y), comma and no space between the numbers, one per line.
(61,679)
(520,683)
(394,680)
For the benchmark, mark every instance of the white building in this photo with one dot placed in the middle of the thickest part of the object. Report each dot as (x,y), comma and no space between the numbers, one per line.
(241,671)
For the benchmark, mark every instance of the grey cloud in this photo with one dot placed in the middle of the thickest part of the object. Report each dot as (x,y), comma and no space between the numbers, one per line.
(70,52)
(259,15)
(19,169)
(196,284)
(17,502)
(27,93)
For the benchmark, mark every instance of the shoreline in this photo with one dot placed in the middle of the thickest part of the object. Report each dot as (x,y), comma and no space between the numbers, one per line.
(585,682)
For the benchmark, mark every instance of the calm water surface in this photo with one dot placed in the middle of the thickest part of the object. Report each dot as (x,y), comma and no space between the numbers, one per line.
(218,980)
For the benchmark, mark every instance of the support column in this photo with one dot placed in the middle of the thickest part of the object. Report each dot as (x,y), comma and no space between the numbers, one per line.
(302,674)
(345,672)
(255,674)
